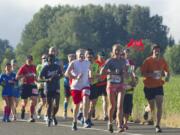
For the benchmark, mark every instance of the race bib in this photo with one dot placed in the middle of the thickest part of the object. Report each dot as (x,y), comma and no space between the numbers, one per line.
(34,91)
(115,79)
(157,74)
(86,92)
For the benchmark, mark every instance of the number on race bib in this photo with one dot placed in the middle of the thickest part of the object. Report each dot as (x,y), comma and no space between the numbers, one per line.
(115,79)
(34,91)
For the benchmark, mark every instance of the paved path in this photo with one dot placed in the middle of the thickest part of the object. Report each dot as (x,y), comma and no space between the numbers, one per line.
(64,128)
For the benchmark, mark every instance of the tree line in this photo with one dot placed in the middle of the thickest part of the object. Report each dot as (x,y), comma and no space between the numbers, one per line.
(92,26)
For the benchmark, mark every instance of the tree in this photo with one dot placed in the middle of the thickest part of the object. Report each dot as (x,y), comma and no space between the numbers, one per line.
(172,55)
(98,27)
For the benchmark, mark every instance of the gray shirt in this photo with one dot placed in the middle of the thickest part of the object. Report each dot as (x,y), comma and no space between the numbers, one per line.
(115,67)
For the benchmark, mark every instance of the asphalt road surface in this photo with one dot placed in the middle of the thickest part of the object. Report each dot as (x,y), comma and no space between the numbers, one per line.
(22,127)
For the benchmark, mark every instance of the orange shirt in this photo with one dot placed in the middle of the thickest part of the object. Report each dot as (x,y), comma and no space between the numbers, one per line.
(151,65)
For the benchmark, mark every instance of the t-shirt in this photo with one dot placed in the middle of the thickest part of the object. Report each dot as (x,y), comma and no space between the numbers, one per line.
(4,78)
(116,67)
(48,72)
(157,66)
(80,67)
(28,72)
(94,70)
(39,68)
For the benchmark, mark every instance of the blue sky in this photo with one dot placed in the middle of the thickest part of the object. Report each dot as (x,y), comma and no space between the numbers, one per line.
(15,14)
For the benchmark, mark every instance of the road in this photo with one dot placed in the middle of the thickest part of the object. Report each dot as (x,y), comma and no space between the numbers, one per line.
(22,127)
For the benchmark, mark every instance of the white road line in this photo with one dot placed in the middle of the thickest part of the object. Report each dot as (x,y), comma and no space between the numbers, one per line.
(69,126)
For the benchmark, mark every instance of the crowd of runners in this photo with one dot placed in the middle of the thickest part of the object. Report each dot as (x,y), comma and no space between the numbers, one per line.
(86,77)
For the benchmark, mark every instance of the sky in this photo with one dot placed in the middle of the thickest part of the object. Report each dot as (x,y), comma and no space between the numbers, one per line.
(15,14)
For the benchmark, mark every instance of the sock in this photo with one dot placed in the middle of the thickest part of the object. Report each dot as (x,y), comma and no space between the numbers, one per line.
(5,112)
(65,106)
(8,112)
(32,110)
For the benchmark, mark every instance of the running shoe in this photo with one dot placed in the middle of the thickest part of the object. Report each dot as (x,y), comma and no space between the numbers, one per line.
(74,126)
(158,129)
(49,122)
(65,115)
(55,121)
(31,119)
(90,122)
(87,124)
(145,115)
(110,128)
(105,118)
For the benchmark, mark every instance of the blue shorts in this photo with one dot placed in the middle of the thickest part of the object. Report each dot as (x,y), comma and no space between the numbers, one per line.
(16,93)
(7,92)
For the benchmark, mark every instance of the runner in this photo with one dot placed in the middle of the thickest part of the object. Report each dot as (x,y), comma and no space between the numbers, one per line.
(51,74)
(95,77)
(54,51)
(16,91)
(78,70)
(153,69)
(7,80)
(67,92)
(131,80)
(40,86)
(27,74)
(101,85)
(115,68)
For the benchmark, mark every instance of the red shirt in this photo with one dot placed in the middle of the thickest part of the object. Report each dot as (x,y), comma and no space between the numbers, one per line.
(28,72)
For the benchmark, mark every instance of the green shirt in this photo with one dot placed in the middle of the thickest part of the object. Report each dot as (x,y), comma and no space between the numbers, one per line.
(95,71)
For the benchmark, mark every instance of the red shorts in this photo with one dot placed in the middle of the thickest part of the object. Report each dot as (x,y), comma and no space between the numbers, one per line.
(77,95)
(115,88)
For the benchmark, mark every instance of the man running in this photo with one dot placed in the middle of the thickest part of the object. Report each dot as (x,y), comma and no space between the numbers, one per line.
(51,74)
(153,69)
(101,85)
(40,86)
(67,92)
(27,74)
(79,71)
(95,78)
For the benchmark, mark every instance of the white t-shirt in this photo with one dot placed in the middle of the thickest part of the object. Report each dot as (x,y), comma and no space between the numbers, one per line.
(80,67)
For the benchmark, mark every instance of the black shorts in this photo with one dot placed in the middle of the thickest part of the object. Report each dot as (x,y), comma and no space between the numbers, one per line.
(102,90)
(151,93)
(67,91)
(94,92)
(128,103)
(28,90)
(41,93)
(52,94)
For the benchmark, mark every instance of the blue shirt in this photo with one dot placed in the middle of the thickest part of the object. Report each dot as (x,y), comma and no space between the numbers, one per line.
(48,72)
(4,81)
